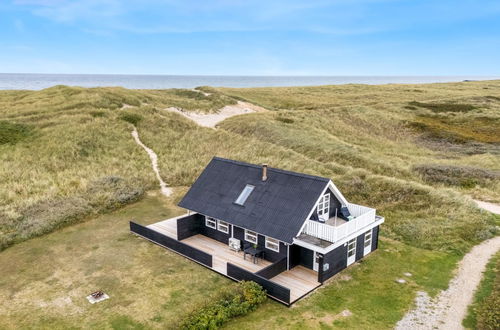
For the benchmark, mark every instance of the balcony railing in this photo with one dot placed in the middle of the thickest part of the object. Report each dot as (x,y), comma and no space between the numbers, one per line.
(363,216)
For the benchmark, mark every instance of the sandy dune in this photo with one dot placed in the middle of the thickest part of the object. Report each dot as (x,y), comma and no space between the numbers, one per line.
(212,119)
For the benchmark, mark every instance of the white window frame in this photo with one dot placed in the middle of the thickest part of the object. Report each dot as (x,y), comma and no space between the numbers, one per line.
(223,226)
(211,222)
(254,235)
(272,244)
(368,235)
(324,205)
(353,248)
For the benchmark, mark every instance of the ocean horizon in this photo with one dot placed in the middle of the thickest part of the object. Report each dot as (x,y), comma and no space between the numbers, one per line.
(36,81)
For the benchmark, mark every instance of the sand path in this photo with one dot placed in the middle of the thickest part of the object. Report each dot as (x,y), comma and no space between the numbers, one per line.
(449,308)
(154,163)
(212,119)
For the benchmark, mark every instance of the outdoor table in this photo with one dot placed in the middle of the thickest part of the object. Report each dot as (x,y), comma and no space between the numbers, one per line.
(254,252)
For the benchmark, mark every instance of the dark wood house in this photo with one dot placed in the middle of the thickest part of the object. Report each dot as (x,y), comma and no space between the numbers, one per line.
(287,231)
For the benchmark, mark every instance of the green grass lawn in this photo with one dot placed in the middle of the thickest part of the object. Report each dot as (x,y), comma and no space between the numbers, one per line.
(150,287)
(487,288)
(46,279)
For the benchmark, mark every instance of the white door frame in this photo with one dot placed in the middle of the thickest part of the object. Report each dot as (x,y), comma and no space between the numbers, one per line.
(351,247)
(315,262)
(368,249)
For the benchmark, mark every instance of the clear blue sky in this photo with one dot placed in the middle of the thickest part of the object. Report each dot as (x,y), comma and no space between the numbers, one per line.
(251,37)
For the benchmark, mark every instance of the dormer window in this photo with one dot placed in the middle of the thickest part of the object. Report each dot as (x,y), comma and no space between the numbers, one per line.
(242,198)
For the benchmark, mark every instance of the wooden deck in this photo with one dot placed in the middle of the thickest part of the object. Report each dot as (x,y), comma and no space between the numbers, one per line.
(221,254)
(166,227)
(299,280)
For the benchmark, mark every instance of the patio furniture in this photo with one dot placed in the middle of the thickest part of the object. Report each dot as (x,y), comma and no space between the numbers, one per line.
(254,252)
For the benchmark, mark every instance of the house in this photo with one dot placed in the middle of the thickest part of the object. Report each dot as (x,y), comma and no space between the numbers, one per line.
(287,231)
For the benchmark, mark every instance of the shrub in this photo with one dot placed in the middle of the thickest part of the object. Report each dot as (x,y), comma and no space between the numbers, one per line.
(97,114)
(46,215)
(132,118)
(285,120)
(444,107)
(462,176)
(12,132)
(233,301)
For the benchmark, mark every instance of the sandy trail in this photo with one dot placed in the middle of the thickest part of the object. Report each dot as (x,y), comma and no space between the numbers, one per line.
(448,309)
(493,208)
(154,163)
(212,119)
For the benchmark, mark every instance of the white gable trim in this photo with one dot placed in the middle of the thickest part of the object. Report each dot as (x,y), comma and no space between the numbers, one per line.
(337,194)
(313,208)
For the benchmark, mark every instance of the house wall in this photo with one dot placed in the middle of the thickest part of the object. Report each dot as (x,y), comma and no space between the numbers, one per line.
(270,255)
(301,256)
(214,233)
(375,238)
(337,259)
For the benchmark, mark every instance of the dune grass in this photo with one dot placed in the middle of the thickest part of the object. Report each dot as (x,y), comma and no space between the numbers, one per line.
(74,158)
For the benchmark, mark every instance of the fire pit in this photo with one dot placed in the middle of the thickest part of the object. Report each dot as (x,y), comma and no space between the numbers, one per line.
(97,296)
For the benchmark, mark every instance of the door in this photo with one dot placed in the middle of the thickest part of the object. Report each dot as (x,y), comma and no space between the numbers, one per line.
(351,251)
(315,261)
(368,243)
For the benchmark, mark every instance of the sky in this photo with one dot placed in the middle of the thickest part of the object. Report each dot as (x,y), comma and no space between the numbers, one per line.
(251,37)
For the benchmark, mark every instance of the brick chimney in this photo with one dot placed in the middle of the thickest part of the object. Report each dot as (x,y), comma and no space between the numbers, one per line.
(264,172)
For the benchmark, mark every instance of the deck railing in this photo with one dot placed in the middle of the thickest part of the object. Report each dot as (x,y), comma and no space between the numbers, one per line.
(363,216)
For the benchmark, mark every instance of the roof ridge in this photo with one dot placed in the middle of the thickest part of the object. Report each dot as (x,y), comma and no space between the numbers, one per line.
(240,163)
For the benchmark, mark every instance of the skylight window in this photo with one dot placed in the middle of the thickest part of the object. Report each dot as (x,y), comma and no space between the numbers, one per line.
(242,198)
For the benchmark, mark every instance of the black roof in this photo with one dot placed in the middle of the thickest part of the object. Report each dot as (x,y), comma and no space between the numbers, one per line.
(276,208)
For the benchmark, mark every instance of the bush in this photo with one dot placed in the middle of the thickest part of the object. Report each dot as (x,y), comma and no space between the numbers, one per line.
(12,133)
(443,107)
(462,176)
(132,118)
(44,216)
(236,300)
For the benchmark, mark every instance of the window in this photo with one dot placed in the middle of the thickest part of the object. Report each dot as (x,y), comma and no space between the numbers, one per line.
(222,226)
(368,238)
(210,222)
(324,206)
(242,198)
(272,244)
(250,236)
(351,248)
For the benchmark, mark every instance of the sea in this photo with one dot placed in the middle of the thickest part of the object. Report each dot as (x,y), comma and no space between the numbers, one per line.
(35,81)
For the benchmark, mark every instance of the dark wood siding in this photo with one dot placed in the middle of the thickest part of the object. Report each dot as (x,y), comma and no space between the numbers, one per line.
(301,256)
(273,289)
(189,225)
(336,260)
(360,246)
(273,269)
(173,244)
(214,233)
(375,238)
(271,255)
